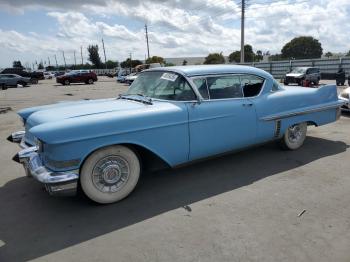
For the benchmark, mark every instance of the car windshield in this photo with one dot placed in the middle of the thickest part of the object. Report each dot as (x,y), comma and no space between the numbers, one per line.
(299,70)
(162,85)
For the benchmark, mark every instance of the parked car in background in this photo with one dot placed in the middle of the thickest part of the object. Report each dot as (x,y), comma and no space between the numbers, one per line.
(345,96)
(131,78)
(299,74)
(48,75)
(34,76)
(169,116)
(121,76)
(12,80)
(59,73)
(79,76)
(340,77)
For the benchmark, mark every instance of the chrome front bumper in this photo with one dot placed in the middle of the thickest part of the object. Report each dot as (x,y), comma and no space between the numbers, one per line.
(56,183)
(16,137)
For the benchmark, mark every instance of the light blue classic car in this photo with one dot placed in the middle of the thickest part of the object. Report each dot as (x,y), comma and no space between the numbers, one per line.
(169,116)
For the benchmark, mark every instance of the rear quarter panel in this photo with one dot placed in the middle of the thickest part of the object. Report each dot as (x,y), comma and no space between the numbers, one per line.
(292,105)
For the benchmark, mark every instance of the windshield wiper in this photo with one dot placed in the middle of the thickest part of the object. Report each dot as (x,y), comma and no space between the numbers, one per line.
(142,98)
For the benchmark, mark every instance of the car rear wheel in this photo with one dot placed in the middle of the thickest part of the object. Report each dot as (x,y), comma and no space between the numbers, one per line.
(66,82)
(24,84)
(34,81)
(110,174)
(3,87)
(294,136)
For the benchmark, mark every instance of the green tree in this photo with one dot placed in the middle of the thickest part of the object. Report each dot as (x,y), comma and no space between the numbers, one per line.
(234,57)
(303,47)
(249,55)
(184,62)
(214,58)
(111,64)
(276,57)
(169,64)
(127,64)
(40,66)
(258,56)
(94,56)
(328,54)
(348,53)
(155,59)
(50,68)
(17,64)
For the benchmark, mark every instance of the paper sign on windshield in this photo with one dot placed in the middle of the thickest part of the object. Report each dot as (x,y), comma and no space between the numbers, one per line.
(169,76)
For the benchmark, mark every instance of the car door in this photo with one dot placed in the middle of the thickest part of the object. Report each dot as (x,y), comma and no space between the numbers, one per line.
(10,80)
(224,121)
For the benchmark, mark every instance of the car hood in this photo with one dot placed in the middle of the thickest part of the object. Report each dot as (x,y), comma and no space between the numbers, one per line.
(294,75)
(77,109)
(101,119)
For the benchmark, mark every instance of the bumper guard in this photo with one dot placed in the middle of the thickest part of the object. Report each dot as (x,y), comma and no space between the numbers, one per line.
(56,183)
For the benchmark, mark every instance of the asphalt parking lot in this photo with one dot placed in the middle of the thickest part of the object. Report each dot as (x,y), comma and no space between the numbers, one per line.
(261,204)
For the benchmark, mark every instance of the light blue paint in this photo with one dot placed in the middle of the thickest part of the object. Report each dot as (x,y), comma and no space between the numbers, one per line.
(177,132)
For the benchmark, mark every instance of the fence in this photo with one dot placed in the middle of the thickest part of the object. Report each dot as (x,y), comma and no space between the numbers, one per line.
(279,68)
(104,71)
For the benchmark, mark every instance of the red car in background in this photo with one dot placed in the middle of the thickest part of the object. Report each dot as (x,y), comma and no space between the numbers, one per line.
(80,76)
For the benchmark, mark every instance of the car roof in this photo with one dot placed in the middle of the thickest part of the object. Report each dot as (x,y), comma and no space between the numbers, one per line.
(199,70)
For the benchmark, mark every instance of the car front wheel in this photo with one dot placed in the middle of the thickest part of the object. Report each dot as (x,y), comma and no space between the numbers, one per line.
(66,82)
(294,136)
(90,81)
(110,174)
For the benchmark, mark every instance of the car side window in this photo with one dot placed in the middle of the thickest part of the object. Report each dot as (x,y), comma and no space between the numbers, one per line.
(178,90)
(251,85)
(224,87)
(201,84)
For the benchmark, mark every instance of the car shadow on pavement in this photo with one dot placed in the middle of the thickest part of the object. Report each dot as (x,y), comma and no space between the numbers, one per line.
(32,224)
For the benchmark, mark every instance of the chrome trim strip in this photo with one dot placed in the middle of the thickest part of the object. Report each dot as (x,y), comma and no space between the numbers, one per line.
(313,110)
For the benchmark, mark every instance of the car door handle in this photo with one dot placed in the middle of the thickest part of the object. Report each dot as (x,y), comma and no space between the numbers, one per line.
(247,104)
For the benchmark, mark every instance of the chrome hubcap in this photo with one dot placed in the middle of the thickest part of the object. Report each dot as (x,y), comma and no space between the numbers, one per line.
(294,133)
(110,174)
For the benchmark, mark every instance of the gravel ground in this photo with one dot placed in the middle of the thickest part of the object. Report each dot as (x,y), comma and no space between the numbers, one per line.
(240,207)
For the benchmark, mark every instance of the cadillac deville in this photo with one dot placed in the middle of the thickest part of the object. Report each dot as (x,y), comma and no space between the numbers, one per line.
(169,116)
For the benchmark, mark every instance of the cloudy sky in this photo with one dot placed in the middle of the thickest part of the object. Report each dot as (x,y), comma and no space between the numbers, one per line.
(37,29)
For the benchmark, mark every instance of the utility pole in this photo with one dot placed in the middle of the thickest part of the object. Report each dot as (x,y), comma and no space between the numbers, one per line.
(56,61)
(104,52)
(64,59)
(48,58)
(147,41)
(75,61)
(81,54)
(242,31)
(130,63)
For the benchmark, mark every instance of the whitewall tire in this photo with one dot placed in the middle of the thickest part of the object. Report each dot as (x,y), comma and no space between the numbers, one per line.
(294,136)
(110,174)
